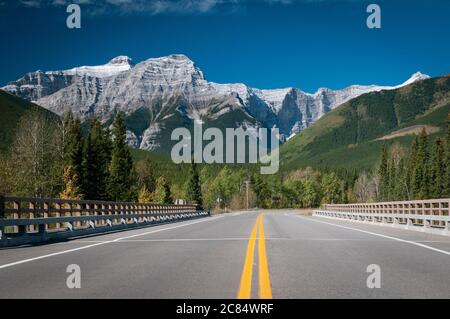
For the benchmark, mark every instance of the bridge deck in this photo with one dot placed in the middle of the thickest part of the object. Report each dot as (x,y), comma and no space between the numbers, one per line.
(308,257)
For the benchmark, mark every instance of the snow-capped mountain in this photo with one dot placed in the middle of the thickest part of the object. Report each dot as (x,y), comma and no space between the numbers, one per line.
(36,85)
(159,94)
(113,67)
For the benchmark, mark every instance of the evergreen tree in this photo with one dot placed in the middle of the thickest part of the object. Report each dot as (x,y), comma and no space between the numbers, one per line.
(384,174)
(411,166)
(401,186)
(73,148)
(193,187)
(293,191)
(162,193)
(446,191)
(331,187)
(437,170)
(120,179)
(420,177)
(311,194)
(96,156)
(262,190)
(392,180)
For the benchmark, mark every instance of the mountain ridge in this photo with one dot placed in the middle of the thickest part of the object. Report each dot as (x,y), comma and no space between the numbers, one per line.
(157,94)
(352,135)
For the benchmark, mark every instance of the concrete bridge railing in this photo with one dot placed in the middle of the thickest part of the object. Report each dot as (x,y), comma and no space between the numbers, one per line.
(25,220)
(432,216)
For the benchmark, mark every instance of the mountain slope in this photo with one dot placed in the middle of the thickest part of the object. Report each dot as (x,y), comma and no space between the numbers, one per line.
(11,109)
(159,94)
(350,136)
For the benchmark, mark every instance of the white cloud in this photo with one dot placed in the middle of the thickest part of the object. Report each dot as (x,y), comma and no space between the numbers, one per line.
(167,6)
(156,7)
(31,3)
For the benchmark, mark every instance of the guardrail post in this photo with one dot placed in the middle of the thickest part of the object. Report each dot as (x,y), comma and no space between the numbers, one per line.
(409,222)
(96,222)
(57,214)
(42,228)
(32,206)
(21,229)
(78,214)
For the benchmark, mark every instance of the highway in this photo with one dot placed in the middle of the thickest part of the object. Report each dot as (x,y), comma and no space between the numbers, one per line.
(276,254)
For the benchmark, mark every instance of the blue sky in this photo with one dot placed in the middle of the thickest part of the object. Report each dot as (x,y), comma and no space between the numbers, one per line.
(266,44)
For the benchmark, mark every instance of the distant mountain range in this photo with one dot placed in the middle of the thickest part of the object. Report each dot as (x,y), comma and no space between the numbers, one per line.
(159,94)
(352,135)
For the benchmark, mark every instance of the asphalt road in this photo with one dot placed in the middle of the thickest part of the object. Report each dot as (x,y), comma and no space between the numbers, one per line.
(230,256)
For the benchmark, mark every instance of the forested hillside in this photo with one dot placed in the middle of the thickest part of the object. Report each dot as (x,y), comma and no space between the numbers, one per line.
(11,109)
(351,136)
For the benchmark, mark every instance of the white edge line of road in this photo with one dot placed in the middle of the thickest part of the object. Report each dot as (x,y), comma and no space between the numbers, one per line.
(103,243)
(381,235)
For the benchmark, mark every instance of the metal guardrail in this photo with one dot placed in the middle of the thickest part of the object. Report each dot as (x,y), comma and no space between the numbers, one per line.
(26,220)
(425,215)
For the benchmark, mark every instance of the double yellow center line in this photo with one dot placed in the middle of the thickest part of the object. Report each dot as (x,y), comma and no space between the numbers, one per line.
(245,289)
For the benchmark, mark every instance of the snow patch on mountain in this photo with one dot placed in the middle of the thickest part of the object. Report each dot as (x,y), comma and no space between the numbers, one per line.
(274,97)
(240,89)
(149,139)
(115,66)
(131,139)
(172,88)
(418,76)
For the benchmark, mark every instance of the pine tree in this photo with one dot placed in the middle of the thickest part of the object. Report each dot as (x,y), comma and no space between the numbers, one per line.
(437,170)
(411,166)
(96,157)
(446,192)
(420,177)
(262,190)
(332,189)
(384,174)
(162,193)
(120,179)
(193,186)
(73,148)
(392,180)
(401,186)
(311,194)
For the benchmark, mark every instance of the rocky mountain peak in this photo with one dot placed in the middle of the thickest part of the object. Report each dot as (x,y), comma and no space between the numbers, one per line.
(418,76)
(158,94)
(121,60)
